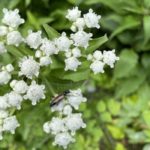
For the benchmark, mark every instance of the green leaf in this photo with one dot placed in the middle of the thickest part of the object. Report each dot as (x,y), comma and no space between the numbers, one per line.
(146,117)
(101,106)
(77,76)
(114,107)
(129,22)
(106,117)
(146,26)
(129,85)
(96,43)
(147,3)
(146,61)
(33,20)
(117,133)
(128,61)
(51,32)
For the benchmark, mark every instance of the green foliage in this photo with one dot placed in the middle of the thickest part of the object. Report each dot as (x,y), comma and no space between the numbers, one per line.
(118,112)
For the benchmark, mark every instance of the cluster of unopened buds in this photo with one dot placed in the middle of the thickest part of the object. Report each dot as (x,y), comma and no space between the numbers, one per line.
(71,47)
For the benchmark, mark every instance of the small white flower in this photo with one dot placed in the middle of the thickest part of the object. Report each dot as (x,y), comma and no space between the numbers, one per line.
(98,55)
(67,110)
(63,139)
(14,99)
(10,124)
(4,77)
(38,54)
(81,38)
(74,122)
(3,114)
(29,67)
(2,48)
(46,127)
(34,39)
(3,30)
(19,87)
(92,20)
(109,58)
(56,125)
(97,67)
(75,98)
(63,43)
(3,102)
(78,24)
(90,57)
(12,18)
(35,92)
(9,68)
(45,61)
(48,47)
(72,63)
(73,14)
(76,52)
(14,38)
(59,107)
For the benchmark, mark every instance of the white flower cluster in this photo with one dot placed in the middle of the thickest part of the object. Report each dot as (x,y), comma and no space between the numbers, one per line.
(71,47)
(64,127)
(99,59)
(8,31)
(5,74)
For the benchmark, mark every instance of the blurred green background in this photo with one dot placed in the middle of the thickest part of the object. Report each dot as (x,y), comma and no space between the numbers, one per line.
(118,109)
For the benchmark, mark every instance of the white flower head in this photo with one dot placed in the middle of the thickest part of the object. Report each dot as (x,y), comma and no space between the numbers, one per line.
(34,39)
(35,92)
(109,58)
(48,47)
(3,30)
(92,20)
(72,63)
(97,67)
(57,125)
(75,98)
(67,110)
(3,113)
(14,99)
(45,61)
(3,102)
(73,14)
(4,77)
(14,38)
(29,67)
(98,55)
(38,54)
(59,107)
(9,68)
(63,43)
(76,52)
(12,18)
(19,87)
(2,48)
(81,38)
(46,127)
(63,139)
(10,124)
(78,24)
(74,122)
